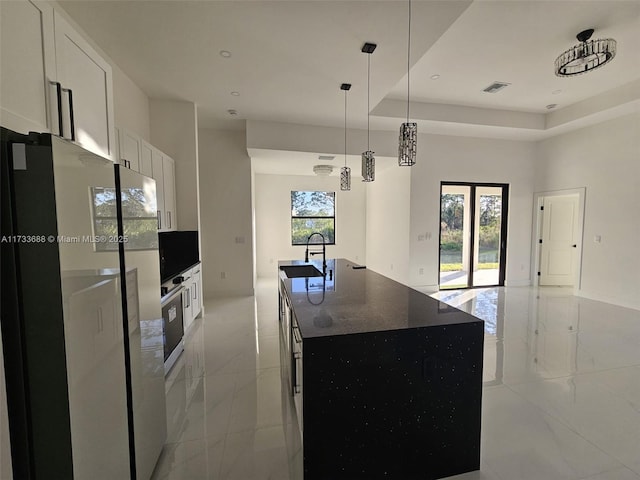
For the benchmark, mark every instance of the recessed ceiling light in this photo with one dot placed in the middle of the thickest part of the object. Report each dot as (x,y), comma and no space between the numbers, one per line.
(235,94)
(551,106)
(326,157)
(225,53)
(435,76)
(556,92)
(232,112)
(322,170)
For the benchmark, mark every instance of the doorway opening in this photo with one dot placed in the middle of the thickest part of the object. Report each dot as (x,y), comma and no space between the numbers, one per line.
(473,234)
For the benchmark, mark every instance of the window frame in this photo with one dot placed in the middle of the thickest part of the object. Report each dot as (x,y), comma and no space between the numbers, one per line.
(313,217)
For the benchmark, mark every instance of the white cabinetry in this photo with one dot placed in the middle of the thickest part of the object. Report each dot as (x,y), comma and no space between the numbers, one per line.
(163,172)
(146,165)
(52,80)
(27,64)
(169,183)
(192,298)
(87,91)
(129,149)
(196,291)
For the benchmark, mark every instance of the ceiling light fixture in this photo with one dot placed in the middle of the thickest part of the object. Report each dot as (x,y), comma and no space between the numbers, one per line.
(225,53)
(368,160)
(587,56)
(408,141)
(232,112)
(322,170)
(435,76)
(551,106)
(345,172)
(556,92)
(235,94)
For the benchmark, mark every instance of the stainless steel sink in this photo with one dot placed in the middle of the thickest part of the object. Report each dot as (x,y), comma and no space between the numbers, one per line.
(298,271)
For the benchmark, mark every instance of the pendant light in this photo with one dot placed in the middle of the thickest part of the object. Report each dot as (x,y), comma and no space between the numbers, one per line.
(587,56)
(408,141)
(368,160)
(345,172)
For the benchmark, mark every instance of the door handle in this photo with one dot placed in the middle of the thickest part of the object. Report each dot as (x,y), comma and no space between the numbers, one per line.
(574,245)
(59,105)
(71,119)
(159,220)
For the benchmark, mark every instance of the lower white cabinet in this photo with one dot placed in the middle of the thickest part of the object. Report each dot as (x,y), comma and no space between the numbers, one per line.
(196,291)
(191,297)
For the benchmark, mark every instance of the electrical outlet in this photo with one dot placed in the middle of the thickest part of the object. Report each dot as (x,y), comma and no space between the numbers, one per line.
(223,275)
(239,239)
(421,271)
(421,238)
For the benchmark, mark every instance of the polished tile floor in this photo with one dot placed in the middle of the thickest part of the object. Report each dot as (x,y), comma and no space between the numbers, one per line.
(561,395)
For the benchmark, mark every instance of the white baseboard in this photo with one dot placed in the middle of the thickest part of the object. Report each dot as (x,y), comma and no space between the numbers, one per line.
(606,299)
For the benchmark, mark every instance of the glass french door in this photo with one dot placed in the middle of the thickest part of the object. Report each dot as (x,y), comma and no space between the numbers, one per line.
(473,234)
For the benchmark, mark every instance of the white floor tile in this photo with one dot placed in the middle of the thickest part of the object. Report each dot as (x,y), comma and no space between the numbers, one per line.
(561,395)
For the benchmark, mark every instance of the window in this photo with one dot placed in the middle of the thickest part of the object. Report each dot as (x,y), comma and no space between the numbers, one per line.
(313,212)
(138,218)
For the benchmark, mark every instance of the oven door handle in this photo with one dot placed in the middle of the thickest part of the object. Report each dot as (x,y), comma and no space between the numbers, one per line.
(171,296)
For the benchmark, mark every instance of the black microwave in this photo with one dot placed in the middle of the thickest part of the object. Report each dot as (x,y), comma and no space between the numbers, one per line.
(178,251)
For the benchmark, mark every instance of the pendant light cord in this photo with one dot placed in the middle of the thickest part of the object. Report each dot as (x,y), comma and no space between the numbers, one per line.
(345,128)
(408,60)
(368,95)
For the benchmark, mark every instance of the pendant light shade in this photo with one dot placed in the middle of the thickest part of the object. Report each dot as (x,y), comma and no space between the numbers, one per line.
(368,160)
(408,141)
(368,166)
(408,144)
(345,172)
(587,56)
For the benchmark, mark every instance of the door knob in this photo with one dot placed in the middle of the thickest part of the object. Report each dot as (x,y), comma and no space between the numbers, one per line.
(574,245)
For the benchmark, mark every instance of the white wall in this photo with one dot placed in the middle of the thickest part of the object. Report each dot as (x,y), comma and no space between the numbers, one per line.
(606,160)
(226,217)
(174,130)
(388,223)
(273,219)
(465,159)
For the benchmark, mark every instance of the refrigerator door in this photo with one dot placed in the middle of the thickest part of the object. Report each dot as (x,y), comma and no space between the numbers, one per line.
(139,234)
(85,209)
(62,327)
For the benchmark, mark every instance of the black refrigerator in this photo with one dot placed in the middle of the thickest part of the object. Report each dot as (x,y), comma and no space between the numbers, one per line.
(80,316)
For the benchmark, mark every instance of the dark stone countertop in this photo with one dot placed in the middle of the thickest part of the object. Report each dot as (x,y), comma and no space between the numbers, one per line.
(356,301)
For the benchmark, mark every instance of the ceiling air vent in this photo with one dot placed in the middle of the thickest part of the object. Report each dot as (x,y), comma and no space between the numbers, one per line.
(496,87)
(326,157)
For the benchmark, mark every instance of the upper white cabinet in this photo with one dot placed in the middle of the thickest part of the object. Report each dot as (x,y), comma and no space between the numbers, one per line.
(52,80)
(169,183)
(129,149)
(87,91)
(163,172)
(27,65)
(146,162)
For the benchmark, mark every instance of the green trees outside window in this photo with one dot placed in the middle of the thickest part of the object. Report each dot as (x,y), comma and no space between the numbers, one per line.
(313,212)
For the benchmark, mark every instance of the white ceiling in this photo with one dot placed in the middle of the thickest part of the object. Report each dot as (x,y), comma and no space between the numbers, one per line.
(290,57)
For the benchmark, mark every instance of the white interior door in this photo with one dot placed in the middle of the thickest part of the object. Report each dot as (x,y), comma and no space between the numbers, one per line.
(558,251)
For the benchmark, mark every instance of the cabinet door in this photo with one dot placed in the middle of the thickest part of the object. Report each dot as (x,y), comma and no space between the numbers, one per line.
(87,91)
(129,149)
(196,291)
(146,165)
(157,175)
(169,183)
(27,64)
(187,305)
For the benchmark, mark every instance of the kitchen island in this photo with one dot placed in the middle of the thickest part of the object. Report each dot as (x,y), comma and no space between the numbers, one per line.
(384,381)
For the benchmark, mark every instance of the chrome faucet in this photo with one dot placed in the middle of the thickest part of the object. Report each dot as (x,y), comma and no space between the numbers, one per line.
(323,252)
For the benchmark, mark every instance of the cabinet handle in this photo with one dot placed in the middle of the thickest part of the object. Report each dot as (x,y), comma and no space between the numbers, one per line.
(71,119)
(195,292)
(168,219)
(59,105)
(159,220)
